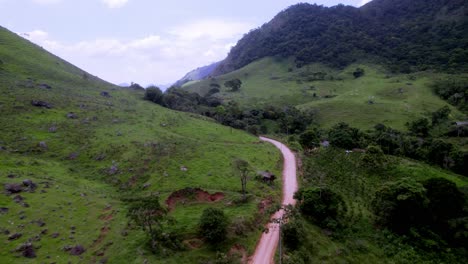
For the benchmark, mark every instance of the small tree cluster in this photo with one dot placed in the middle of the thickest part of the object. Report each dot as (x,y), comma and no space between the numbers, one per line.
(234,84)
(322,205)
(213,225)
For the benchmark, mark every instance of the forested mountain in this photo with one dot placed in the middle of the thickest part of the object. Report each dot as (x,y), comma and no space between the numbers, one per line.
(407,35)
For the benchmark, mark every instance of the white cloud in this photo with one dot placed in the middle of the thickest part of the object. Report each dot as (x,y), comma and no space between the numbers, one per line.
(46,2)
(150,59)
(114,3)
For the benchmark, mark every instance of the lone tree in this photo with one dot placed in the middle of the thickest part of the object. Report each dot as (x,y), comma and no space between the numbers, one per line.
(213,225)
(154,94)
(359,72)
(400,205)
(148,213)
(234,84)
(242,167)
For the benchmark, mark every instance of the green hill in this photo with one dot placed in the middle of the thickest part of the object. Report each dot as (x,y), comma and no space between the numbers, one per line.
(334,95)
(405,35)
(88,144)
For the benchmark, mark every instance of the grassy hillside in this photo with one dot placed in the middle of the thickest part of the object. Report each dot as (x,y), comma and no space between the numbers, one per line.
(97,143)
(335,95)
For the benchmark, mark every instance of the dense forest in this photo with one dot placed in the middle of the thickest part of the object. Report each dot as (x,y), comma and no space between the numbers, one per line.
(406,35)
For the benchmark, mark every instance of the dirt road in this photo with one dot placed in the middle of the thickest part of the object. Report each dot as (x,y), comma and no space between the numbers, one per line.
(265,251)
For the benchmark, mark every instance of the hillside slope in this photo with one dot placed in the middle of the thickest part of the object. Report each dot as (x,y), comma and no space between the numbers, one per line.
(334,95)
(197,74)
(405,35)
(86,144)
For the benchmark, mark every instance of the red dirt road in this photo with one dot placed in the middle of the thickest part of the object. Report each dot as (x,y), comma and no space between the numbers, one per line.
(265,251)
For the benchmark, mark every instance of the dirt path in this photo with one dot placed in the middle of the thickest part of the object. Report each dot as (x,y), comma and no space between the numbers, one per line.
(266,247)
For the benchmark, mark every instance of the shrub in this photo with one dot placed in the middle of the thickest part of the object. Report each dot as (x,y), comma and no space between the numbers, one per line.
(213,225)
(322,205)
(400,205)
(293,234)
(154,94)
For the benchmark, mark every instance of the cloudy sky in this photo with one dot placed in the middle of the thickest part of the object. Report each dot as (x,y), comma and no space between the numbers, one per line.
(144,41)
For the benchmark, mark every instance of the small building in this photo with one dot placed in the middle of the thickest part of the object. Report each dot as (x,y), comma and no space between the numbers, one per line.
(267,176)
(461,123)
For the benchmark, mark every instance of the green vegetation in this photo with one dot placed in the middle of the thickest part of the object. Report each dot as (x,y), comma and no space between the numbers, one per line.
(213,226)
(389,214)
(95,150)
(405,35)
(333,95)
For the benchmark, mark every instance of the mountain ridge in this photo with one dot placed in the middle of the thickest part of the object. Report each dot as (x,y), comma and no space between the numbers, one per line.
(427,34)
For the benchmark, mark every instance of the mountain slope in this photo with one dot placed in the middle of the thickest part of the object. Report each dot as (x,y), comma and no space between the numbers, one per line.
(88,144)
(197,74)
(406,35)
(333,95)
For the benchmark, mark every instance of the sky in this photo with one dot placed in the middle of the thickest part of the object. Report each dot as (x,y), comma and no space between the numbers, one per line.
(142,41)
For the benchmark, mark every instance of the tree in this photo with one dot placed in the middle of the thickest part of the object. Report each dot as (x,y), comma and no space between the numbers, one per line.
(322,205)
(213,225)
(419,127)
(440,115)
(358,73)
(374,158)
(242,167)
(445,201)
(234,84)
(154,94)
(148,213)
(310,138)
(293,233)
(400,205)
(344,136)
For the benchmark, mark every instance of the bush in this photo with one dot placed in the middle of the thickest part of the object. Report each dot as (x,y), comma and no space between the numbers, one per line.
(154,94)
(293,234)
(322,205)
(445,201)
(344,136)
(213,225)
(400,205)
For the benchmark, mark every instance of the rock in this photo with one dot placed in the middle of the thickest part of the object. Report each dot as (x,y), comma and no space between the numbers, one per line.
(72,115)
(4,210)
(30,184)
(113,169)
(100,157)
(45,86)
(18,199)
(2,148)
(11,176)
(52,129)
(77,250)
(55,235)
(183,168)
(44,231)
(40,223)
(73,156)
(41,104)
(27,250)
(26,205)
(13,188)
(146,185)
(42,145)
(14,236)
(105,94)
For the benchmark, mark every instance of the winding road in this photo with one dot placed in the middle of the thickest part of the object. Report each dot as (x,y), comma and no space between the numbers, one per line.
(266,247)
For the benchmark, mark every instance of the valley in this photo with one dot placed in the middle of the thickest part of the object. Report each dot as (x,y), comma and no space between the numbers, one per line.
(330,134)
